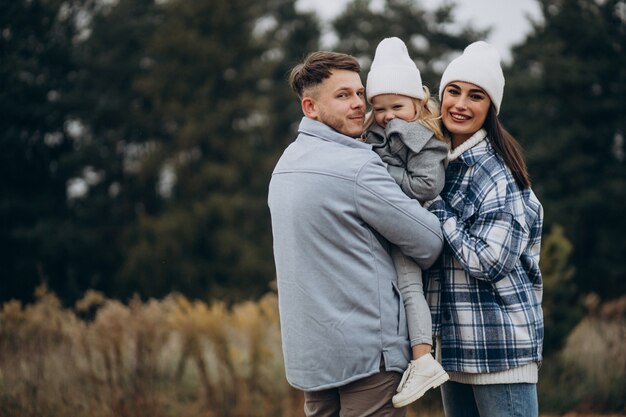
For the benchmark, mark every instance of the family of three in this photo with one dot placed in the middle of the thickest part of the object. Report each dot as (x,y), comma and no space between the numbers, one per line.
(409,224)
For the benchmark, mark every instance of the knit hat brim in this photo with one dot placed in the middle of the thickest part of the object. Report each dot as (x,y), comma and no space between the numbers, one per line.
(479,65)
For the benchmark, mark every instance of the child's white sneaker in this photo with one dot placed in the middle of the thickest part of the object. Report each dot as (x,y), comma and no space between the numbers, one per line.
(421,375)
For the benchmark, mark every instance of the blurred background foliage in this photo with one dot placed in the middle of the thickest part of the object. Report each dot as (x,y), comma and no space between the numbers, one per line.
(181,357)
(137,139)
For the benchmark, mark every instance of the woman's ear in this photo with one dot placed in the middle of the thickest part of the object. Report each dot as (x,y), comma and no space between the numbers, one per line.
(309,108)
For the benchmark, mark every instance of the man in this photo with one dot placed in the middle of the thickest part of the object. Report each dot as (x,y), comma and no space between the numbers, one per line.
(334,210)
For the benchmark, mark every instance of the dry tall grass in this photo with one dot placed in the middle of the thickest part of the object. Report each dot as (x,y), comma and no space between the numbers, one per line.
(178,357)
(589,374)
(157,358)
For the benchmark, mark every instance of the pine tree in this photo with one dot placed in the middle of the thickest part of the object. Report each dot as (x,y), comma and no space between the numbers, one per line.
(217,85)
(561,305)
(566,90)
(118,130)
(36,73)
(426,33)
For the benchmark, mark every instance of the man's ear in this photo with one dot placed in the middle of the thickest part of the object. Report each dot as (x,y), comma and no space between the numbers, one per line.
(309,107)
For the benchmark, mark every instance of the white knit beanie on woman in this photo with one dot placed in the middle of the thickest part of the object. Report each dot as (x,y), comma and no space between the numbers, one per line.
(479,65)
(393,71)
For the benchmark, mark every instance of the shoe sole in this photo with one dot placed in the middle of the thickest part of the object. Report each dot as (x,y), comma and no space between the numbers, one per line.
(433,383)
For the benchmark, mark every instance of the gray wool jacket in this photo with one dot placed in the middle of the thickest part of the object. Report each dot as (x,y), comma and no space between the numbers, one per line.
(417,160)
(334,210)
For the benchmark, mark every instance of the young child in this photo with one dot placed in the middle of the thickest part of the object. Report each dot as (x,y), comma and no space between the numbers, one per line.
(404,129)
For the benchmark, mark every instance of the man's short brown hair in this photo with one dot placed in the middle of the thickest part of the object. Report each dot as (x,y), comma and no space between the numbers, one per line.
(317,66)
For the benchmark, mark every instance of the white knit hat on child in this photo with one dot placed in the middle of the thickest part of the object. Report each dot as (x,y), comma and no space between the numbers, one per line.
(479,65)
(393,71)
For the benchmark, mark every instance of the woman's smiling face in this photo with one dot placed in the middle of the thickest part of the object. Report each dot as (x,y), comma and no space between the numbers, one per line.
(464,108)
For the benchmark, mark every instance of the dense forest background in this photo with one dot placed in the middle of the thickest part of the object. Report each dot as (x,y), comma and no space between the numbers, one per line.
(137,139)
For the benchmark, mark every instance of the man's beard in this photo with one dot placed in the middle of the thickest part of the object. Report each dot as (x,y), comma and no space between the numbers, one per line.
(340,124)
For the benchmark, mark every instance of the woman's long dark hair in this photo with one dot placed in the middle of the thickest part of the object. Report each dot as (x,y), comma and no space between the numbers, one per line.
(507,147)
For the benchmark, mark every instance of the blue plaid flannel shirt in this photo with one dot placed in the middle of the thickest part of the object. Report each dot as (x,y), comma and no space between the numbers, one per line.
(486,288)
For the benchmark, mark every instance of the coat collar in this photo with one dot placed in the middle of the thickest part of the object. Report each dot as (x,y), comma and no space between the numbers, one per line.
(412,134)
(322,131)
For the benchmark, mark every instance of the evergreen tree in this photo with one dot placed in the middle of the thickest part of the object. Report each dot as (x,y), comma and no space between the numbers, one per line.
(118,129)
(426,33)
(217,85)
(36,72)
(566,90)
(561,306)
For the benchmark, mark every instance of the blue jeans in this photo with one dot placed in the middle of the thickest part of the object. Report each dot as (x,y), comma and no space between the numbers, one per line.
(497,400)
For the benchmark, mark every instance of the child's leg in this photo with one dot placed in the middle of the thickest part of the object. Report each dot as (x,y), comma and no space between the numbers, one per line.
(417,311)
(424,372)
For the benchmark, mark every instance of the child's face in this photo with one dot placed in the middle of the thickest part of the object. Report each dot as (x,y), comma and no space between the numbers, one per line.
(387,107)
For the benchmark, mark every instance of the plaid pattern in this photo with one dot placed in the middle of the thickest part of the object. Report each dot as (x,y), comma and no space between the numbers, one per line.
(486,288)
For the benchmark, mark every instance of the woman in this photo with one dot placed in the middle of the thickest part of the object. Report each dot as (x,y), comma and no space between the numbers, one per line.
(485,291)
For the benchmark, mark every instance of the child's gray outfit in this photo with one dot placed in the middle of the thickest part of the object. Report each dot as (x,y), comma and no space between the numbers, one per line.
(416,160)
